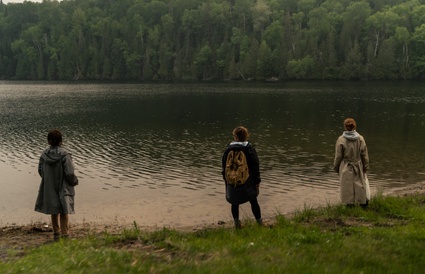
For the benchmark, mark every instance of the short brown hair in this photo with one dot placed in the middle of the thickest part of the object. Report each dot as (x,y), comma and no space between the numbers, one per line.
(349,124)
(54,137)
(240,134)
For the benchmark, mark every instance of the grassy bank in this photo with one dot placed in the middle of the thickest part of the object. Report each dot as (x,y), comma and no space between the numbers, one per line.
(388,237)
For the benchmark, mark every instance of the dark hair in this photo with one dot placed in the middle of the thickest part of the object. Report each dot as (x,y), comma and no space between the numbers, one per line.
(240,134)
(349,124)
(54,137)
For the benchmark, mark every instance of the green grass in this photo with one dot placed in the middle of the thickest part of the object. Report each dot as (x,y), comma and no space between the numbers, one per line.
(388,237)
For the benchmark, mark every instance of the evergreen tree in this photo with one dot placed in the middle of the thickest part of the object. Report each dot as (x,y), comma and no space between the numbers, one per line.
(212,39)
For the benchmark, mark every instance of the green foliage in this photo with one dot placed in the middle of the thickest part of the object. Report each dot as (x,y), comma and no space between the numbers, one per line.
(300,69)
(215,39)
(418,41)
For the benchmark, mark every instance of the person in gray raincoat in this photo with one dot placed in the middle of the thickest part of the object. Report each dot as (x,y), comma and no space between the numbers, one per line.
(351,163)
(56,192)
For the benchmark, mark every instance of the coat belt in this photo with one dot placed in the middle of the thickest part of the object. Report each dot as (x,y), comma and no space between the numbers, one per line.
(353,164)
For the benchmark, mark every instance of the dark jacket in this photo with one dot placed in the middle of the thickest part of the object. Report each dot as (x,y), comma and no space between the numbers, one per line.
(248,191)
(56,192)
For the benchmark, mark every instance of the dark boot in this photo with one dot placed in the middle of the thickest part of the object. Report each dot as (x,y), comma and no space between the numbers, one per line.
(237,224)
(56,237)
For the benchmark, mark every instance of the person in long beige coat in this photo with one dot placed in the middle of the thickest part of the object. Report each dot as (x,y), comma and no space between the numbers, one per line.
(351,163)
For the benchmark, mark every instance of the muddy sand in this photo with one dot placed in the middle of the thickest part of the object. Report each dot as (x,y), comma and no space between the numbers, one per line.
(22,237)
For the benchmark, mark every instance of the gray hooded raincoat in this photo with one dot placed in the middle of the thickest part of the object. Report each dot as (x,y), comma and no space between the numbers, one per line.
(56,192)
(351,162)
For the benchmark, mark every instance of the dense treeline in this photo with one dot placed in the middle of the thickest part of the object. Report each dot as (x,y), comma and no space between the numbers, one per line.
(213,39)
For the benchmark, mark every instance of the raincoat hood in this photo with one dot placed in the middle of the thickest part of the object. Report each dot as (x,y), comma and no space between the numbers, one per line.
(53,155)
(351,135)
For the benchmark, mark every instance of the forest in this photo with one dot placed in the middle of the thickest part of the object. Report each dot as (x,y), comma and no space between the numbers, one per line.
(169,40)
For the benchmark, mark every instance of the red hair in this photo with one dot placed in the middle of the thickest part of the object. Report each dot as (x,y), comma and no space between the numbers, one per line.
(349,124)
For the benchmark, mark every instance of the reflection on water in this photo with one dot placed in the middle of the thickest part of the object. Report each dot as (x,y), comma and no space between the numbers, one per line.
(172,136)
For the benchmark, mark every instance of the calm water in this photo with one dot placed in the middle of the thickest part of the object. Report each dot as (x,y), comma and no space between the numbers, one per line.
(150,147)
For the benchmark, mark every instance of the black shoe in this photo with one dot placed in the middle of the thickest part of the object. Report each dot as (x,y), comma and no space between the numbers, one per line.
(238,224)
(364,206)
(56,237)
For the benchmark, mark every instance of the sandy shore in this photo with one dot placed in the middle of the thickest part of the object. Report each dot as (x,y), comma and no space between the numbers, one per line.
(405,191)
(22,237)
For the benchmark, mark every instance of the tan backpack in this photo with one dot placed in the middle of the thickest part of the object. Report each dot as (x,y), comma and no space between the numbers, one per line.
(237,172)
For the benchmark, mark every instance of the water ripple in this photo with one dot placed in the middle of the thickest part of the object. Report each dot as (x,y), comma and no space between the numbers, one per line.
(130,137)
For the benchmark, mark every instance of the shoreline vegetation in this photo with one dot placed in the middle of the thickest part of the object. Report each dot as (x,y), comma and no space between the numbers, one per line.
(167,40)
(387,237)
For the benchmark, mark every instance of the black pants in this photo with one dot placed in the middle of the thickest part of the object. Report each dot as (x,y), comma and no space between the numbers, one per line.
(255,207)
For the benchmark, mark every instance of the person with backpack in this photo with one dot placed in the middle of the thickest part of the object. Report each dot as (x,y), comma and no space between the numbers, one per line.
(56,192)
(241,174)
(351,162)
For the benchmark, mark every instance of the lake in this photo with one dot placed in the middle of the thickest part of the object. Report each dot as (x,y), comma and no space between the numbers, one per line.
(151,153)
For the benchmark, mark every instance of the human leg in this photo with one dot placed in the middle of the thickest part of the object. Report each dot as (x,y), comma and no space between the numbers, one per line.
(256,210)
(64,225)
(55,226)
(235,214)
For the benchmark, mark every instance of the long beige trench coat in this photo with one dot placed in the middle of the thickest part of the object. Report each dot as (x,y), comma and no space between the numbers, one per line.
(351,162)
